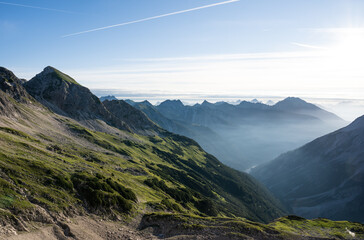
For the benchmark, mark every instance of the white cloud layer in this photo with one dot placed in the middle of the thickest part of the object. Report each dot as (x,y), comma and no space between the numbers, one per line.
(306,73)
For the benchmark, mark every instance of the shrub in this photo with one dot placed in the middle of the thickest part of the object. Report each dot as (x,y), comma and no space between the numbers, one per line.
(99,192)
(206,206)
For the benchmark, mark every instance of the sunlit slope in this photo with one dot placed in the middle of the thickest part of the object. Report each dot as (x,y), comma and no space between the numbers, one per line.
(290,227)
(54,162)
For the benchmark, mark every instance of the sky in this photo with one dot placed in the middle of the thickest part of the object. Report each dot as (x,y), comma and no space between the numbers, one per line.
(193,49)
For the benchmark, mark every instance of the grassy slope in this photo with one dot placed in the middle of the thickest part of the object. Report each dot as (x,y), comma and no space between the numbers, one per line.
(53,162)
(290,227)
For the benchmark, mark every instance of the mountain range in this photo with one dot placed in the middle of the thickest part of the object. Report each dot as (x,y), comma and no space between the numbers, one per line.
(247,134)
(324,178)
(66,155)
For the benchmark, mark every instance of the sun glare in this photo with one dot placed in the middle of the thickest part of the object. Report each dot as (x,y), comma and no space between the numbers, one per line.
(348,48)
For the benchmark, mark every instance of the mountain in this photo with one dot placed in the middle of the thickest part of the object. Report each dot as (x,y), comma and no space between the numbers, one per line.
(249,134)
(198,114)
(255,101)
(60,179)
(208,139)
(324,178)
(297,105)
(11,89)
(12,86)
(109,98)
(158,118)
(55,162)
(135,119)
(270,103)
(63,95)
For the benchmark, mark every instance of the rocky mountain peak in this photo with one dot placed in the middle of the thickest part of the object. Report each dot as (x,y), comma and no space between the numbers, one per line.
(172,103)
(63,95)
(255,101)
(48,69)
(297,105)
(12,85)
(294,103)
(51,76)
(6,74)
(147,103)
(108,98)
(206,103)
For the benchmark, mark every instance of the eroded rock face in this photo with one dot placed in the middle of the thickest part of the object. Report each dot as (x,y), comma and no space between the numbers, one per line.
(65,96)
(61,91)
(11,85)
(11,89)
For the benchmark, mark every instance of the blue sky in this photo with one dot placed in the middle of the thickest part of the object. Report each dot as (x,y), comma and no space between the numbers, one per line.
(309,48)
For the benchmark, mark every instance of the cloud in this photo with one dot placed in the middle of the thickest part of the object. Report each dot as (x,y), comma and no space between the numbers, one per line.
(309,73)
(36,7)
(152,18)
(308,46)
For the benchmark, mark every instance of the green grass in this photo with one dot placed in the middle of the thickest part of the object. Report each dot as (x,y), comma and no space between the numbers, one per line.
(65,77)
(72,167)
(289,227)
(178,176)
(318,227)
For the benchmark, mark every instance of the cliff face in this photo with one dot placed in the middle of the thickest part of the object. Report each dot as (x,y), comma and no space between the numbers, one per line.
(11,85)
(11,92)
(65,96)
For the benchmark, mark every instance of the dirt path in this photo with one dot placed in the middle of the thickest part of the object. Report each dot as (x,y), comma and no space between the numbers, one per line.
(83,228)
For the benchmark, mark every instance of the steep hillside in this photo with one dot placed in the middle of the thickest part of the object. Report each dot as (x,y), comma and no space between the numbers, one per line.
(208,139)
(290,227)
(135,119)
(324,178)
(53,164)
(53,168)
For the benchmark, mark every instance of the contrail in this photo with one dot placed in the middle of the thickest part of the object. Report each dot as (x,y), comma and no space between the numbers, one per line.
(308,46)
(151,18)
(35,7)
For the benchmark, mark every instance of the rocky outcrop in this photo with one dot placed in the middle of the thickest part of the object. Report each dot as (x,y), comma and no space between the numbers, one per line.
(63,95)
(11,85)
(11,93)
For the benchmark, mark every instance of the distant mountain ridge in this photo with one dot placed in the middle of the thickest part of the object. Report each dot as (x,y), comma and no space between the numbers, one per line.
(135,119)
(246,134)
(297,105)
(109,98)
(60,179)
(324,178)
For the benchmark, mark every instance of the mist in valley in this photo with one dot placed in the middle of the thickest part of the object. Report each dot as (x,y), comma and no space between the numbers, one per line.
(247,134)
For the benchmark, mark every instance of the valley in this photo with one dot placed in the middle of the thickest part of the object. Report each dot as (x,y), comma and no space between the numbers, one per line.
(64,154)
